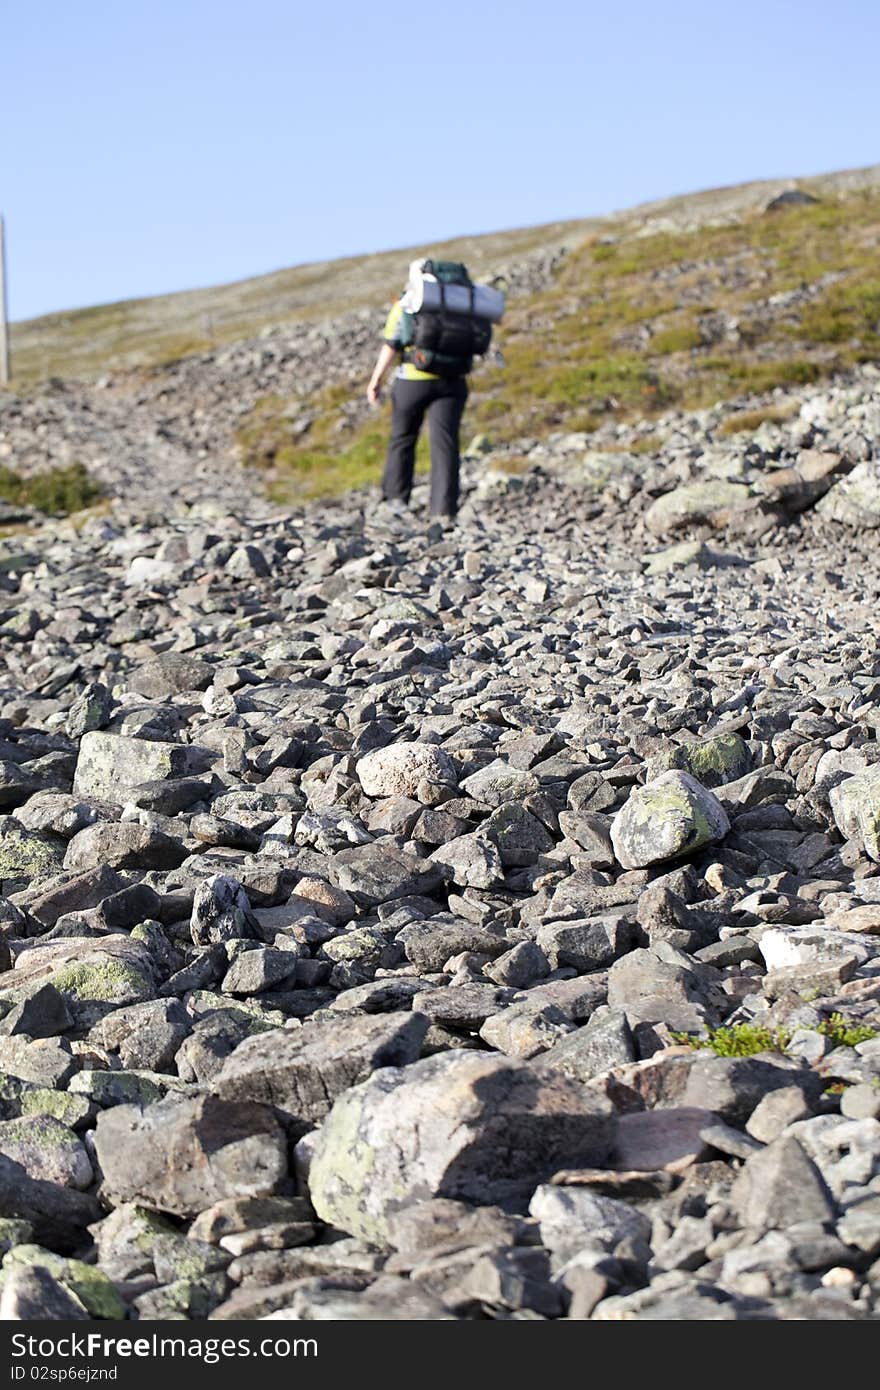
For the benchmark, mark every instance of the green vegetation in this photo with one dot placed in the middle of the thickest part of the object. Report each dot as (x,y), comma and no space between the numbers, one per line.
(332,455)
(740,1040)
(57,492)
(746,1039)
(627,328)
(845,1034)
(630,325)
(748,421)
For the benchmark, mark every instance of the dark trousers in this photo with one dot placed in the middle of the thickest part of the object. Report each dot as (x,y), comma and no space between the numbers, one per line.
(443,401)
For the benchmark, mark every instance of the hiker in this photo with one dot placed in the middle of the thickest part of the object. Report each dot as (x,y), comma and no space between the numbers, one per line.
(441,321)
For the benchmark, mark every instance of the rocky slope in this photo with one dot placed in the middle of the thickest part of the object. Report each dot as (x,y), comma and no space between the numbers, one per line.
(368,889)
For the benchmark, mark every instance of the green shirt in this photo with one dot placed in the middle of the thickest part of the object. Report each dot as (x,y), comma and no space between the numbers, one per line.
(392,337)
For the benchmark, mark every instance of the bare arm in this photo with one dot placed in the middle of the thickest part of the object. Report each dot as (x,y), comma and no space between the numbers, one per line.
(387,355)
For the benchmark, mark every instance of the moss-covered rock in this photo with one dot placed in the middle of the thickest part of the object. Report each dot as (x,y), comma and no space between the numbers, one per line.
(669,817)
(712,761)
(126,1240)
(14,1232)
(92,1287)
(106,1088)
(72,1110)
(26,856)
(47,1150)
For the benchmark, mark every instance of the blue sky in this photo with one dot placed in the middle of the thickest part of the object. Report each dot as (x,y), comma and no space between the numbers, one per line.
(160,146)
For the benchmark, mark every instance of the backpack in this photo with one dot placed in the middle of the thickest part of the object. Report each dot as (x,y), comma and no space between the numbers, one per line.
(444,338)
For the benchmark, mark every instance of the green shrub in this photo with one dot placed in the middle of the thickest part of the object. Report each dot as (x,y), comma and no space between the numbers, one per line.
(57,492)
(845,1034)
(740,1040)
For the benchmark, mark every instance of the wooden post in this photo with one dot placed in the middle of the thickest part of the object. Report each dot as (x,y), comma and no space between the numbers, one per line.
(4,327)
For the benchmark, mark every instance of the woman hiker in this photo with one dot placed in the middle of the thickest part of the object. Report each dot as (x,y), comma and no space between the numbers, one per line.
(445,340)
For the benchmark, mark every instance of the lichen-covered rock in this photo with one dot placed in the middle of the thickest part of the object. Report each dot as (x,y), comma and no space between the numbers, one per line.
(27,856)
(498,782)
(856,806)
(711,761)
(182,1156)
(855,500)
(89,1285)
(711,501)
(419,770)
(463,1125)
(665,819)
(109,764)
(47,1149)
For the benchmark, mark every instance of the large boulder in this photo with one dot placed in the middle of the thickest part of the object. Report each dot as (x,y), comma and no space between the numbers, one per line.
(711,502)
(855,500)
(665,819)
(460,1124)
(182,1156)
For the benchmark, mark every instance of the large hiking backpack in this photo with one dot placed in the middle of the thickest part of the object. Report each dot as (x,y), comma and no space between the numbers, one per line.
(447,319)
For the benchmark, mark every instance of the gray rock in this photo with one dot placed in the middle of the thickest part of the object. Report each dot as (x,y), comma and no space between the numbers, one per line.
(169,674)
(43,1014)
(145,1036)
(734,1086)
(604,1042)
(380,873)
(47,1149)
(108,764)
(663,985)
(300,1073)
(418,770)
(498,783)
(221,911)
(573,1220)
(775,1111)
(32,1294)
(471,861)
(585,945)
(780,1186)
(182,1156)
(429,945)
(856,806)
(495,1132)
(669,817)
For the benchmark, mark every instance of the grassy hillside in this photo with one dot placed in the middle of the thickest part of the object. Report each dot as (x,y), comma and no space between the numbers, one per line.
(682,302)
(83,343)
(636,323)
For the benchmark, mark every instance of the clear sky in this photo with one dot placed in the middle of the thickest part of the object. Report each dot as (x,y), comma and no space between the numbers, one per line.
(156,145)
